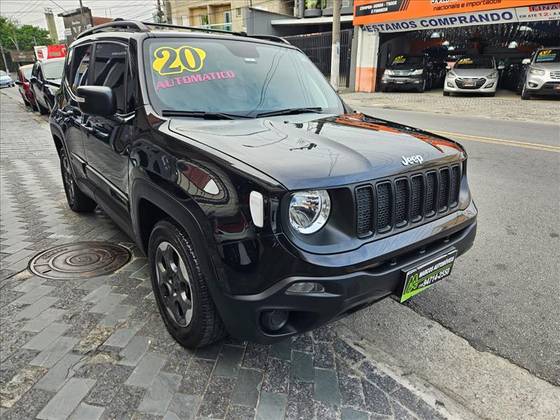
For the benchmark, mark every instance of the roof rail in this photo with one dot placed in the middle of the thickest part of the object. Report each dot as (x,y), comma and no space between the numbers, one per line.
(272,38)
(193,28)
(130,25)
(137,26)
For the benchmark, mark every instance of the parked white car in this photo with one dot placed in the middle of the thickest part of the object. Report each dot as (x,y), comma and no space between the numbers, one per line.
(6,80)
(543,74)
(472,74)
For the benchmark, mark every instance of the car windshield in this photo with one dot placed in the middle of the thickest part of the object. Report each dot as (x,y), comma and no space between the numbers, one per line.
(474,63)
(53,69)
(237,78)
(548,56)
(406,61)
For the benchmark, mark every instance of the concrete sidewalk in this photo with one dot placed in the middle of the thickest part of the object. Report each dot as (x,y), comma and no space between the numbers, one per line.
(505,106)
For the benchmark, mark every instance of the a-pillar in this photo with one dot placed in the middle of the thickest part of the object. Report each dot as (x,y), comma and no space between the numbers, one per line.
(366,60)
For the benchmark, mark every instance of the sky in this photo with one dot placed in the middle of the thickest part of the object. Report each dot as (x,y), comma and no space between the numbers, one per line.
(32,11)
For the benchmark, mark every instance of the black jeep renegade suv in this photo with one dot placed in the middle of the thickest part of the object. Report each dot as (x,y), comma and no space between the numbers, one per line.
(265,206)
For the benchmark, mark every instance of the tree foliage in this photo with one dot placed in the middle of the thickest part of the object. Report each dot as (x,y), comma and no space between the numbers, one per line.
(23,37)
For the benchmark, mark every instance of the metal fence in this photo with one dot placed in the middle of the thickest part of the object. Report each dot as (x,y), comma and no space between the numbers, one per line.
(318,49)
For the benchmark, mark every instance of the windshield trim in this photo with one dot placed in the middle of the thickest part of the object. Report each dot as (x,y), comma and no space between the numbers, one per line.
(147,92)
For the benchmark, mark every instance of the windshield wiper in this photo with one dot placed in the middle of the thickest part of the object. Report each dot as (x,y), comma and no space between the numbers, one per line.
(201,114)
(289,111)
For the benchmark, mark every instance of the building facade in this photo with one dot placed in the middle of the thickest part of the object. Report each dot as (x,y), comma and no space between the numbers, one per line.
(220,14)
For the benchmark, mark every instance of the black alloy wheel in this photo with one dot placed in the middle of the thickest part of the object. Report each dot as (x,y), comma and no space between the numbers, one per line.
(179,282)
(174,284)
(77,200)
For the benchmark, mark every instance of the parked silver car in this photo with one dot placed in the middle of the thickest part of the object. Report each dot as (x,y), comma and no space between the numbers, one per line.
(6,80)
(472,74)
(543,73)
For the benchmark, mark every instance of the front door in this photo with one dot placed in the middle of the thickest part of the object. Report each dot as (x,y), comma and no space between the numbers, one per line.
(69,115)
(107,138)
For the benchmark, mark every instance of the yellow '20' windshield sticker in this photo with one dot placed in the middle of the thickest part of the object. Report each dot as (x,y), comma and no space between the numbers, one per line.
(169,60)
(465,61)
(399,59)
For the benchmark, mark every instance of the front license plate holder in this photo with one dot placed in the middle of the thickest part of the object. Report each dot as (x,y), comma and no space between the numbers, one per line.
(421,277)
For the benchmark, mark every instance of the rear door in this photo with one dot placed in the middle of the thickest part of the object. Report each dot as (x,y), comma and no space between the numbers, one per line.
(107,138)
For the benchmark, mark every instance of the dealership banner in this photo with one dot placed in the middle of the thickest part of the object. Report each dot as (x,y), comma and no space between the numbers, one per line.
(370,12)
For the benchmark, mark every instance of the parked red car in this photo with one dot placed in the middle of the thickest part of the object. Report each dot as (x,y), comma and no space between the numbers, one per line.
(23,76)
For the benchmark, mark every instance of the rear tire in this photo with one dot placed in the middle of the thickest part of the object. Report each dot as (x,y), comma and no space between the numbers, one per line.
(77,200)
(180,288)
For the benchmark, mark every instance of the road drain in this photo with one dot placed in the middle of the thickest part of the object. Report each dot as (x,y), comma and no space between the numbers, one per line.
(79,260)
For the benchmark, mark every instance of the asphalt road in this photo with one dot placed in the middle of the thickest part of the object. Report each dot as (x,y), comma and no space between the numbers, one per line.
(503,295)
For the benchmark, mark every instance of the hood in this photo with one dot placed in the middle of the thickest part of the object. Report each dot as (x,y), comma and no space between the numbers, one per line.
(473,72)
(546,66)
(309,152)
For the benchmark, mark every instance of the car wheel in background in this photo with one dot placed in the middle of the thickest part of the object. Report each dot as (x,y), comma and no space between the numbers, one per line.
(524,94)
(422,87)
(180,288)
(77,200)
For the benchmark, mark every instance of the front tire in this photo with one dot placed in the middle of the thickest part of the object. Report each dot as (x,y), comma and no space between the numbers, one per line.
(180,288)
(77,200)
(524,94)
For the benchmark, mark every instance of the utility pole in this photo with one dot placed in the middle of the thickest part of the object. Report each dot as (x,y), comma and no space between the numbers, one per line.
(82,16)
(335,52)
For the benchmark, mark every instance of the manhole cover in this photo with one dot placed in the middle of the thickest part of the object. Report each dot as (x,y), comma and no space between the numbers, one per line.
(79,260)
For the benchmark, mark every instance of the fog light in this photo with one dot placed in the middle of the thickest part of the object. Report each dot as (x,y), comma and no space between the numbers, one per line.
(533,85)
(489,85)
(306,287)
(274,320)
(449,84)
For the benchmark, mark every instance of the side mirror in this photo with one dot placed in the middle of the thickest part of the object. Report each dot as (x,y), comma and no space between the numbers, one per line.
(96,100)
(526,61)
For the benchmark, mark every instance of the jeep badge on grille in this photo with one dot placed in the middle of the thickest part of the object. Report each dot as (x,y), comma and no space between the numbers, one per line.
(412,160)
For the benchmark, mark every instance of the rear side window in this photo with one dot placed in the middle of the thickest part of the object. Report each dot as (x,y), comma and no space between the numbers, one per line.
(109,69)
(78,66)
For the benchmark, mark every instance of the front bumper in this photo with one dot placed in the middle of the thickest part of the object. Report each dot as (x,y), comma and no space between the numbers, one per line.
(402,82)
(455,86)
(345,293)
(542,85)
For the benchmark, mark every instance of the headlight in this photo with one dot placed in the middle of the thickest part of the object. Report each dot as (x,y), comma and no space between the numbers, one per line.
(452,74)
(389,73)
(492,75)
(309,210)
(538,72)
(417,72)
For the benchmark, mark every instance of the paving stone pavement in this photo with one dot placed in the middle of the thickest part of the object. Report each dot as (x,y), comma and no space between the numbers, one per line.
(97,348)
(505,106)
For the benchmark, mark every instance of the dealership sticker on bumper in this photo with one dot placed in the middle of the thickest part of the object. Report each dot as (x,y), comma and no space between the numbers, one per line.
(424,276)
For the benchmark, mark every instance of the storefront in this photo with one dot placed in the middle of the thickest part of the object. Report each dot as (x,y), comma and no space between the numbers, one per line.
(509,30)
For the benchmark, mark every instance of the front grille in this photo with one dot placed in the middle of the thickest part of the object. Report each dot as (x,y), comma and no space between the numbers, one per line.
(394,204)
(364,206)
(462,83)
(555,74)
(384,208)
